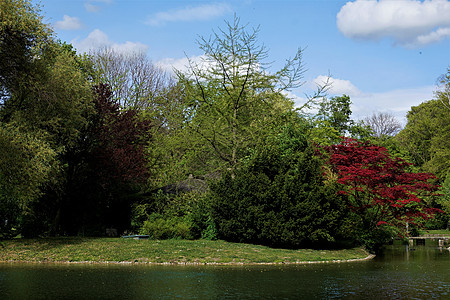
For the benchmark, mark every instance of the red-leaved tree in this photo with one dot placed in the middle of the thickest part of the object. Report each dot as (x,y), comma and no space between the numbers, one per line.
(120,140)
(379,187)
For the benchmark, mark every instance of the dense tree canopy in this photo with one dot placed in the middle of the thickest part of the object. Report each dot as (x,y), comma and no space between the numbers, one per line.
(109,140)
(66,153)
(426,137)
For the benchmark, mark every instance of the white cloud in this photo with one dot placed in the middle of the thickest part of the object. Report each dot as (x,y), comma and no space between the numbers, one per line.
(192,13)
(199,63)
(298,100)
(98,39)
(410,23)
(68,23)
(434,36)
(91,7)
(398,102)
(181,64)
(338,86)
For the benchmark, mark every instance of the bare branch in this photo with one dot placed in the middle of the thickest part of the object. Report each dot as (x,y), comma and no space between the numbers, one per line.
(383,124)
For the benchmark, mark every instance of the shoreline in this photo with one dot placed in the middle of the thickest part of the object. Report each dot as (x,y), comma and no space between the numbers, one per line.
(181,263)
(165,252)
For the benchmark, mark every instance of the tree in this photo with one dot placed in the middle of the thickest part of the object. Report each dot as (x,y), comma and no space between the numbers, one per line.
(426,136)
(104,169)
(427,133)
(279,197)
(23,38)
(333,120)
(41,82)
(380,188)
(231,97)
(45,103)
(443,91)
(120,137)
(26,163)
(336,111)
(135,82)
(383,124)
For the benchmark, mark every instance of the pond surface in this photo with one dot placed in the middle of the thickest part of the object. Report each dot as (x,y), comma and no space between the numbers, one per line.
(400,273)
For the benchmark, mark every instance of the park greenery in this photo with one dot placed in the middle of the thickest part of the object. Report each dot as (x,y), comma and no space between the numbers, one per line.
(107,140)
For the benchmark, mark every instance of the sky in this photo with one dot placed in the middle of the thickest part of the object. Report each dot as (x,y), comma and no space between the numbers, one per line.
(386,55)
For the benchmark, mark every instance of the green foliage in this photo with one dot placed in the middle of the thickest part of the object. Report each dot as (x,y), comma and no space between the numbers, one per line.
(21,16)
(203,223)
(192,208)
(442,221)
(230,103)
(333,121)
(159,227)
(337,112)
(279,197)
(23,39)
(26,164)
(426,137)
(373,240)
(42,85)
(445,200)
(57,100)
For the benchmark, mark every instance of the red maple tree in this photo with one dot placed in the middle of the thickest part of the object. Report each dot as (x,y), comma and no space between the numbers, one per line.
(379,187)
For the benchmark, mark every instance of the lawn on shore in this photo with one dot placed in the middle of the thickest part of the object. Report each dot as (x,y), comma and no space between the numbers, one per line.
(102,250)
(434,232)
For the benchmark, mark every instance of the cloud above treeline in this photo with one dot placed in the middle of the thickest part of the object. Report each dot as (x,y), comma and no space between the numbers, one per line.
(409,23)
(180,64)
(191,13)
(364,103)
(398,102)
(68,23)
(97,39)
(337,86)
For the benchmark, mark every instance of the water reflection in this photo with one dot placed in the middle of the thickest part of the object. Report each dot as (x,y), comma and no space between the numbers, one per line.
(400,273)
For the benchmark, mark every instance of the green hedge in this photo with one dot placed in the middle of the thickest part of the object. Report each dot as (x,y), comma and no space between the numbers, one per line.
(279,198)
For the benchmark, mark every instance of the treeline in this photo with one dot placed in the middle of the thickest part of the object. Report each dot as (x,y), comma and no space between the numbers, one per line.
(108,140)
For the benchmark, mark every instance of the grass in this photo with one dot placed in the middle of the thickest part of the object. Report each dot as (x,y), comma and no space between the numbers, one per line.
(441,231)
(77,249)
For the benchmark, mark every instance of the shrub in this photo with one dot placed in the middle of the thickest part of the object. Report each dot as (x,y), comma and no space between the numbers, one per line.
(279,198)
(161,227)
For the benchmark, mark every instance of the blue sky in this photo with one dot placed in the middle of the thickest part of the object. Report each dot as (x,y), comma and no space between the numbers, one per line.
(386,55)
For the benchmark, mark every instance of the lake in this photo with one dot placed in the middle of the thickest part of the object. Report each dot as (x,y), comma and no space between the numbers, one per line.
(399,273)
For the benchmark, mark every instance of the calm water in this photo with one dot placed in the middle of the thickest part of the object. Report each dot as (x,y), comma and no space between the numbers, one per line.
(400,273)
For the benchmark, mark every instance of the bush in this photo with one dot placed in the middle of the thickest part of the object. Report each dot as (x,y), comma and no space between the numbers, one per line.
(203,224)
(163,210)
(279,198)
(159,227)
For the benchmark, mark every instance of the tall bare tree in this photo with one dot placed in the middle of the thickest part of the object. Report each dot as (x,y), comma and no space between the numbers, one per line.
(135,81)
(443,91)
(383,124)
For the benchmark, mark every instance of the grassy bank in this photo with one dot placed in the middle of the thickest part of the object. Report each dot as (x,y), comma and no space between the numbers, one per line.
(434,232)
(164,251)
